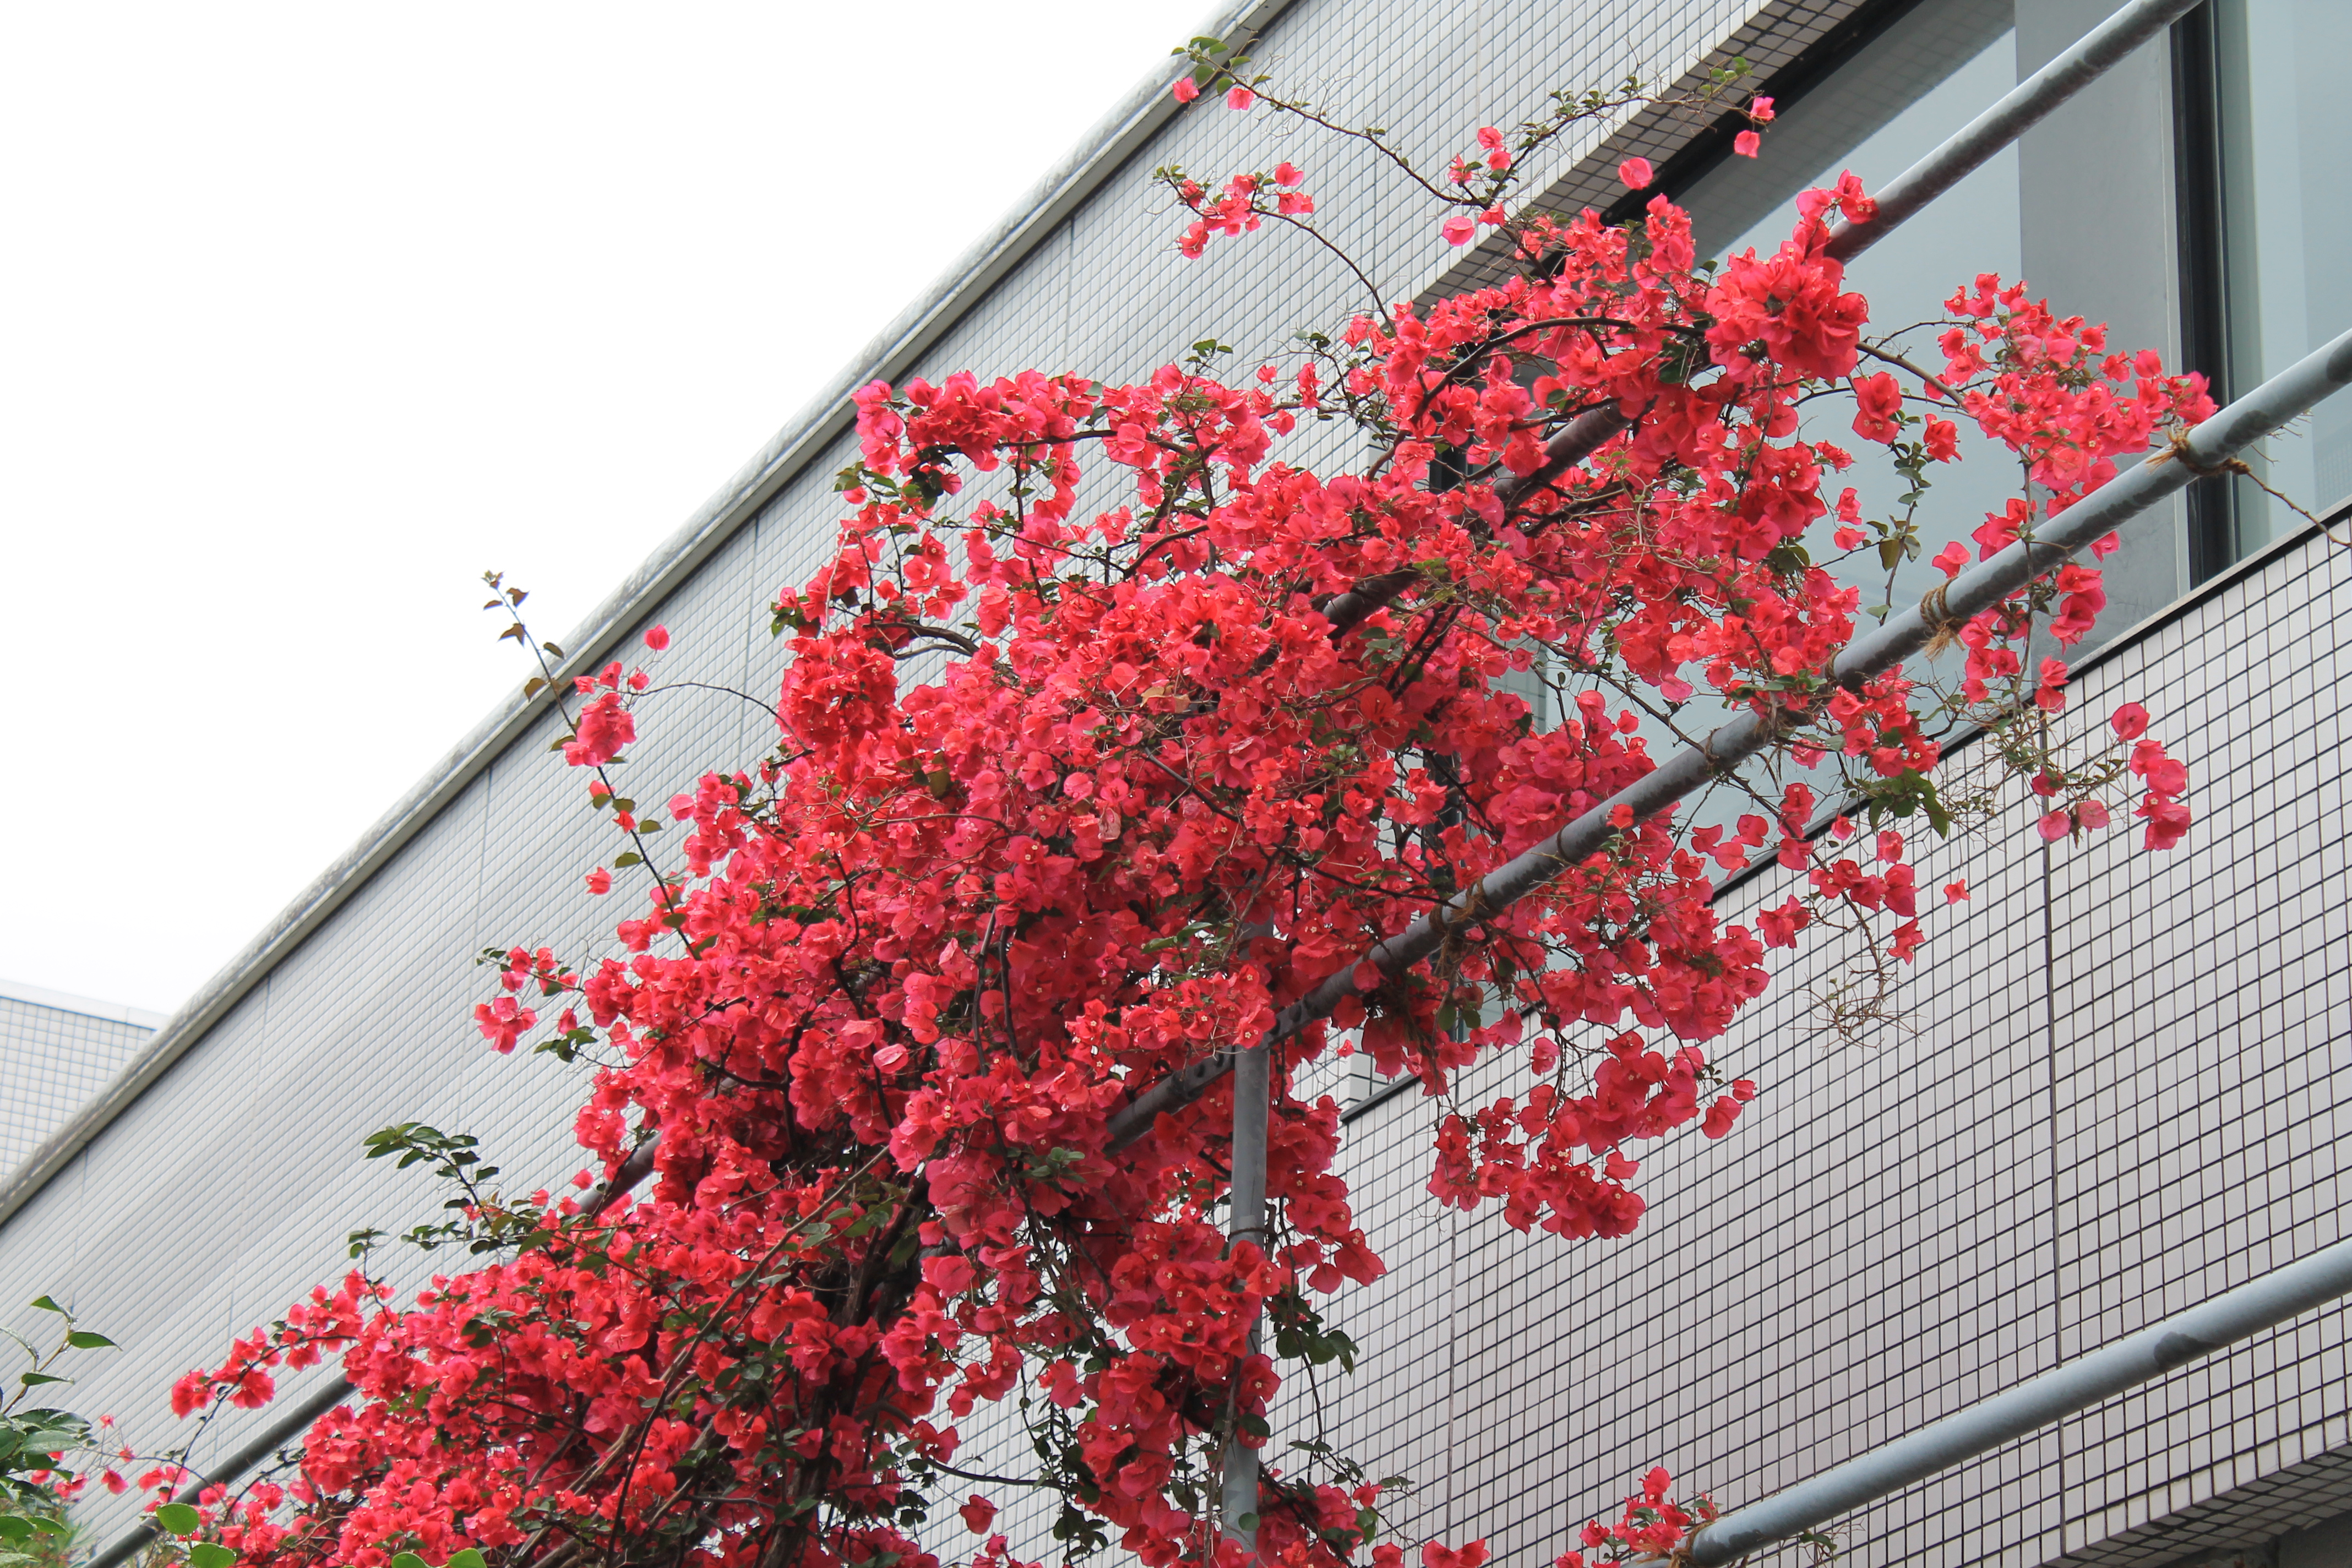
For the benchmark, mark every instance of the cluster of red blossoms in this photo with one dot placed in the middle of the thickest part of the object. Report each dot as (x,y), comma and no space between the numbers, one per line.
(1091,758)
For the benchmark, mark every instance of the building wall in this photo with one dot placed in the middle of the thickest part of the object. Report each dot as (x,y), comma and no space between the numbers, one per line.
(56,1051)
(229,1187)
(2117,1098)
(2116,1090)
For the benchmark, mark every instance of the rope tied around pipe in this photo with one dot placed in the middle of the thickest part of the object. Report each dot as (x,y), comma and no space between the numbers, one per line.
(2177,450)
(1452,931)
(1943,627)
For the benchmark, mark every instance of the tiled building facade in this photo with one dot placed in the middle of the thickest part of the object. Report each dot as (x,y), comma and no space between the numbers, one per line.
(55,1052)
(2117,1090)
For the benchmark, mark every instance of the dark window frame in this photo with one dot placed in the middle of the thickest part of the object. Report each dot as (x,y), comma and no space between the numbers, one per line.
(2202,267)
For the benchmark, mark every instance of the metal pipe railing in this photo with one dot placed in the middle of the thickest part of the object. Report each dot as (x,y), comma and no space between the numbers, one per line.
(1691,770)
(2154,1350)
(2213,442)
(2025,106)
(2234,1315)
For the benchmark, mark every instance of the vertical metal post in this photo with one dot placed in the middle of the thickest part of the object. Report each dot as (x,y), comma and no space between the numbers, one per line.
(1253,1105)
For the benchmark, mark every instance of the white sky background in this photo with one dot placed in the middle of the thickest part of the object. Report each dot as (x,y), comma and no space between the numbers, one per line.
(310,312)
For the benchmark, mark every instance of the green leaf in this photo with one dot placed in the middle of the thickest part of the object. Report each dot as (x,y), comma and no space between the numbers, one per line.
(16,1527)
(210,1554)
(467,1557)
(629,858)
(32,1378)
(46,1305)
(83,1340)
(178,1518)
(408,1560)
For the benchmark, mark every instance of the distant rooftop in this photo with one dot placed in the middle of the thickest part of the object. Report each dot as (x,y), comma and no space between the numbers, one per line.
(56,1051)
(89,1006)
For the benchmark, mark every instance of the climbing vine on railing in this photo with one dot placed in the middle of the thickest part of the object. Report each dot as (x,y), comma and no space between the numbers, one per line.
(1109,728)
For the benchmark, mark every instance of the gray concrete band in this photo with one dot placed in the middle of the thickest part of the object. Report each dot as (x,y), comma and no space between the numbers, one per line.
(2258,1304)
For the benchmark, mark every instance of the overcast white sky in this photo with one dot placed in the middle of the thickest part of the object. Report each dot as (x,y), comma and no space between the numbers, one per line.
(310,313)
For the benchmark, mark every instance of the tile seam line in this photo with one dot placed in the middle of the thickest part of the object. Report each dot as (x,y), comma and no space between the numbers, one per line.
(1141,114)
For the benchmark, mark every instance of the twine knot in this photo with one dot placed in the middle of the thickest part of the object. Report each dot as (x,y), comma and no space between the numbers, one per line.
(1935,609)
(2177,450)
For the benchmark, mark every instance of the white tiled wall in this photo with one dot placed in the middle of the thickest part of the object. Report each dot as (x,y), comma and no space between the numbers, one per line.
(2120,1095)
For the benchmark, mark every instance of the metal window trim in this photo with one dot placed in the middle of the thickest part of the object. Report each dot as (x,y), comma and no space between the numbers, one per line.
(2201,267)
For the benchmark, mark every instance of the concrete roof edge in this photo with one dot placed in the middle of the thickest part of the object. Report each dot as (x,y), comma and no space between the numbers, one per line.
(1141,114)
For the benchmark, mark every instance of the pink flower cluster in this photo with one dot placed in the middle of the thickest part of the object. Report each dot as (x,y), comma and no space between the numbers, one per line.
(1066,797)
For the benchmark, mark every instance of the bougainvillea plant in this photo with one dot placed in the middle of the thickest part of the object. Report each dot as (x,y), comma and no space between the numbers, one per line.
(1077,783)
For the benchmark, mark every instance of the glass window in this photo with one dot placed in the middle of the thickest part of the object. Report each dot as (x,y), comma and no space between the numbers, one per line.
(1900,95)
(1893,101)
(2286,204)
(1907,90)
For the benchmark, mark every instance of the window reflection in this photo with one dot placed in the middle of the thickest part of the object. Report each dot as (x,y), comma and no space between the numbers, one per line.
(2288,209)
(1899,97)
(1920,82)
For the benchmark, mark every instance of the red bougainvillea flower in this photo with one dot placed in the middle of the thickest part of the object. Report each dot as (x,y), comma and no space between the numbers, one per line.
(1110,729)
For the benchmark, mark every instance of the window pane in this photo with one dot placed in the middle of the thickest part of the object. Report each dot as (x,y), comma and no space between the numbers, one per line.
(2288,204)
(1921,80)
(1916,83)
